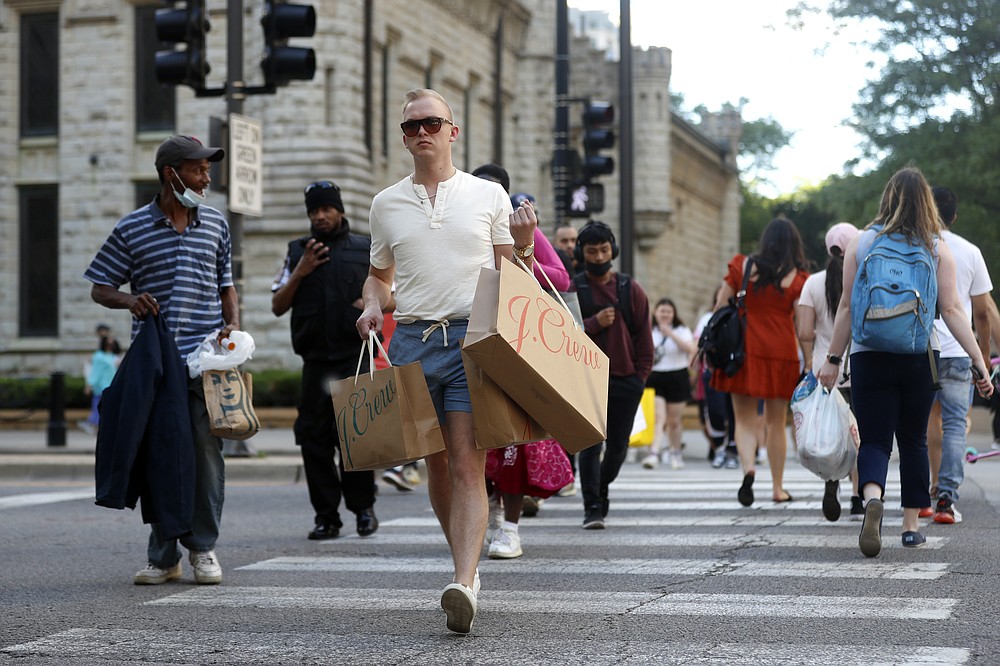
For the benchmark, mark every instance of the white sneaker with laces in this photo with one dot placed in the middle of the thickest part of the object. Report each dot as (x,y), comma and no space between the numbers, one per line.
(459,603)
(651,461)
(206,567)
(154,575)
(506,545)
(720,458)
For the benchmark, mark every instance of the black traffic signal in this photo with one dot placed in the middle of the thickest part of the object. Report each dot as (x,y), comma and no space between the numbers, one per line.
(597,136)
(186,62)
(282,63)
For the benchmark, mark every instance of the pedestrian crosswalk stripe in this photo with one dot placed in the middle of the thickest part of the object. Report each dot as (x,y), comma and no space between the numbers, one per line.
(720,505)
(618,566)
(574,601)
(672,519)
(35,499)
(260,648)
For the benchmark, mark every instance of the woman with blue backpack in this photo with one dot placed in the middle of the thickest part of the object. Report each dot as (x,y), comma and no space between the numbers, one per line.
(896,276)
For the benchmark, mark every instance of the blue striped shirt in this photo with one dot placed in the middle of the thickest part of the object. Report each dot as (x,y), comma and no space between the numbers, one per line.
(185,272)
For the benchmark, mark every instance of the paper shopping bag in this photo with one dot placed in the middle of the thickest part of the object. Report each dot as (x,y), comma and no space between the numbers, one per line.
(498,420)
(644,425)
(526,342)
(229,400)
(385,418)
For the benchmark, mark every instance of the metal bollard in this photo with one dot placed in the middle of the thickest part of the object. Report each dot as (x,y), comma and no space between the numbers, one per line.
(57,410)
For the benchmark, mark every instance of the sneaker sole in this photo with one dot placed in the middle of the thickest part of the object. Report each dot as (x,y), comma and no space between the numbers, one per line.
(594,525)
(396,484)
(870,540)
(505,556)
(460,606)
(208,580)
(831,505)
(942,518)
(141,580)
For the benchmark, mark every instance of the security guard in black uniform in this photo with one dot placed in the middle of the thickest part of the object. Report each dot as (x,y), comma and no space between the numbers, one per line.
(321,284)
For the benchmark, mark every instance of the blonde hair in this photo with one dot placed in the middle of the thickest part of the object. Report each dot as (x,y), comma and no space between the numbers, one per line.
(413,95)
(908,208)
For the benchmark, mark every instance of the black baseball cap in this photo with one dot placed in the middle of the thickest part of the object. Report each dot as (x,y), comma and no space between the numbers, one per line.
(178,148)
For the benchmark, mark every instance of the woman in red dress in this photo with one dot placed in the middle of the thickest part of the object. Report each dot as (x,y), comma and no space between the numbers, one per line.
(771,368)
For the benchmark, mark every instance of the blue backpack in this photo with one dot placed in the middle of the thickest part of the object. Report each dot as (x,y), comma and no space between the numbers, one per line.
(894,298)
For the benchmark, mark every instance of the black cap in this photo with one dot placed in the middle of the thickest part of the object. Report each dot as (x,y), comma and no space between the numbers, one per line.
(178,148)
(495,173)
(323,193)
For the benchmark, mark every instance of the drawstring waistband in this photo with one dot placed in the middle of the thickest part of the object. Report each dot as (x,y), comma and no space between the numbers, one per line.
(443,325)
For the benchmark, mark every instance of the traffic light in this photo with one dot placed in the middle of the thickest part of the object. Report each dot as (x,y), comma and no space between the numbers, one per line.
(186,62)
(597,136)
(282,63)
(584,198)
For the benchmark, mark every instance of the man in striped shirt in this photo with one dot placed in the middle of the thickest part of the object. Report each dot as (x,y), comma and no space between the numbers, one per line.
(176,255)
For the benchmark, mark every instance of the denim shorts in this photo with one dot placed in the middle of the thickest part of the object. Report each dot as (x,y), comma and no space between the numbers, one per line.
(442,365)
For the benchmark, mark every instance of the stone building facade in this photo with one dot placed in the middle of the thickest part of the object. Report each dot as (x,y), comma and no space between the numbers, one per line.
(492,59)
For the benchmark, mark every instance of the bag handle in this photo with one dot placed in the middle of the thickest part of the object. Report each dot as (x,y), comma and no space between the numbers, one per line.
(370,344)
(551,286)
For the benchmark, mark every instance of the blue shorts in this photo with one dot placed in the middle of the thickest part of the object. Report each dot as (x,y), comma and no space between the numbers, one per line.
(442,365)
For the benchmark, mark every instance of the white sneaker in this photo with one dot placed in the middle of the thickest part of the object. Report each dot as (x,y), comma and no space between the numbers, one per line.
(569,490)
(412,475)
(476,585)
(495,519)
(995,446)
(650,461)
(206,567)
(506,545)
(720,458)
(676,461)
(459,603)
(154,575)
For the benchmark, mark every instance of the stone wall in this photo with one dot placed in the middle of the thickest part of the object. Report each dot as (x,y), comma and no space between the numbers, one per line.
(686,212)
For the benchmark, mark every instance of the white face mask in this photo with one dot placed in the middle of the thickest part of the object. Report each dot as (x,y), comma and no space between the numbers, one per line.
(189,198)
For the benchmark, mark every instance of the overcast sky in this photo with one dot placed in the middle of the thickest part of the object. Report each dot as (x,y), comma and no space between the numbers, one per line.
(727,49)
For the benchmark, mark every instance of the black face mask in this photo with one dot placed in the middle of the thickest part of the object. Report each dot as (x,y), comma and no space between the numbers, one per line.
(598,269)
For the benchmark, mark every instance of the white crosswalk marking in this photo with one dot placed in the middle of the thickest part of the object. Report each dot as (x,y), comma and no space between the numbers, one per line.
(632,567)
(678,545)
(557,601)
(36,499)
(267,649)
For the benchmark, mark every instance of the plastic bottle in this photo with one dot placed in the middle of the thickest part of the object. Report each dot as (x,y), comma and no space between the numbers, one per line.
(227,344)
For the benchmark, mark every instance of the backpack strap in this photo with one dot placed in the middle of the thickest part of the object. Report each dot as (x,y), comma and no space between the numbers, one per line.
(624,289)
(741,294)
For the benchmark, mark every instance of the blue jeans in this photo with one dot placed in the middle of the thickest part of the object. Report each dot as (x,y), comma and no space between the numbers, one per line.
(209,488)
(892,395)
(955,397)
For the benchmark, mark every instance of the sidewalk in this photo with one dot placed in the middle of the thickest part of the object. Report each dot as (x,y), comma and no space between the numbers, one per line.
(26,456)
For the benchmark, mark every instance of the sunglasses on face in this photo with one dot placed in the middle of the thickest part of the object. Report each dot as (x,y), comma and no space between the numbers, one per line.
(321,185)
(432,125)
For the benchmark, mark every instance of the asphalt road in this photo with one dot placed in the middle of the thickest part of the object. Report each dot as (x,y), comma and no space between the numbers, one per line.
(682,575)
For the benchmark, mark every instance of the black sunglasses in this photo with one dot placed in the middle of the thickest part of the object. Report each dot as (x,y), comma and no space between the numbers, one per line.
(432,125)
(321,185)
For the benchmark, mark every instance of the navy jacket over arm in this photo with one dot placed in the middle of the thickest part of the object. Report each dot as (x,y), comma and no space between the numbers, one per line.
(145,446)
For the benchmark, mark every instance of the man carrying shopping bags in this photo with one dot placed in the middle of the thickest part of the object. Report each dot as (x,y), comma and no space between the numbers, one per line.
(431,233)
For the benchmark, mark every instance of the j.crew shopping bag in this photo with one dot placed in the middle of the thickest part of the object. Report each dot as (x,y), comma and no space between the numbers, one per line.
(385,417)
(527,342)
(499,421)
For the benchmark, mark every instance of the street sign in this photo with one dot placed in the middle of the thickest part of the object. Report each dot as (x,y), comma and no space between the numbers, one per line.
(246,151)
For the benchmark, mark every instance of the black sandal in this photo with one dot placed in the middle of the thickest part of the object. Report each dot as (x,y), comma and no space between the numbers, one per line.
(745,496)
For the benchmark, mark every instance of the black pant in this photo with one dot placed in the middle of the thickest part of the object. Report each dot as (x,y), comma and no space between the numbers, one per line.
(316,433)
(624,396)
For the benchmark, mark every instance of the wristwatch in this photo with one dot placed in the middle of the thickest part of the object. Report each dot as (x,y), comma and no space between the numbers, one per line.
(525,252)
(834,359)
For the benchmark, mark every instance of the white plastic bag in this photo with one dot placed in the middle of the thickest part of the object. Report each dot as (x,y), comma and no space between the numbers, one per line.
(826,433)
(211,356)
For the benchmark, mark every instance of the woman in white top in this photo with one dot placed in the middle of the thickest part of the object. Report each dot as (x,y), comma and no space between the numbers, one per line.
(817,307)
(673,345)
